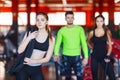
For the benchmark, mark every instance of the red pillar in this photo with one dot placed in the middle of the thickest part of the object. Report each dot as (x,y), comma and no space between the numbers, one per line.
(111,10)
(94,9)
(100,6)
(89,18)
(14,36)
(36,7)
(15,9)
(28,12)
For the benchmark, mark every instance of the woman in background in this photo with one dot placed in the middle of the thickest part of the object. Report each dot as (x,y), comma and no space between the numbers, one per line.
(99,37)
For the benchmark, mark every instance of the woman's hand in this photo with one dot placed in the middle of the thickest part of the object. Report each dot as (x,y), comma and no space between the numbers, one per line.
(32,35)
(29,61)
(107,58)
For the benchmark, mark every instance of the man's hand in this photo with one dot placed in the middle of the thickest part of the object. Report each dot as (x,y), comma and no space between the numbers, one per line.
(85,61)
(56,58)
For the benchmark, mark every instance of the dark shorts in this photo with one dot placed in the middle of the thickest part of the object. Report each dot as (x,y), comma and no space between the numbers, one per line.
(69,64)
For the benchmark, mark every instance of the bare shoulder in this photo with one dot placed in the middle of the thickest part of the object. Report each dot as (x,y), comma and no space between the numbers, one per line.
(52,40)
(108,31)
(91,32)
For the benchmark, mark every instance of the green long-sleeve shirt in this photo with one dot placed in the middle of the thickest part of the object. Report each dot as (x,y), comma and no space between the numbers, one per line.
(73,39)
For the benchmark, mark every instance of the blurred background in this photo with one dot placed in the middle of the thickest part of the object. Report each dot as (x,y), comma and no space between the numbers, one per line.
(16,16)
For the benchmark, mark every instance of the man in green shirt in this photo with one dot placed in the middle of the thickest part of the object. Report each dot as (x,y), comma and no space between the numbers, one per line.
(73,39)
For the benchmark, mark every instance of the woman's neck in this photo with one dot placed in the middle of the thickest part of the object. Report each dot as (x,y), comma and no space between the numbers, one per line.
(99,28)
(41,30)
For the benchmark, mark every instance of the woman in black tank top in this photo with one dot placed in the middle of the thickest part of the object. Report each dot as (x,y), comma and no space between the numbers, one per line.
(39,43)
(99,37)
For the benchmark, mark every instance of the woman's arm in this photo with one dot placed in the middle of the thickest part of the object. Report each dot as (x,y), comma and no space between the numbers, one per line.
(90,35)
(109,37)
(49,52)
(46,58)
(26,40)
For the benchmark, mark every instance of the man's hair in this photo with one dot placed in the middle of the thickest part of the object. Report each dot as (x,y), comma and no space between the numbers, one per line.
(69,12)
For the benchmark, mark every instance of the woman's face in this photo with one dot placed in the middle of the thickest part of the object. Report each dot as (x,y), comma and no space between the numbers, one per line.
(99,22)
(41,21)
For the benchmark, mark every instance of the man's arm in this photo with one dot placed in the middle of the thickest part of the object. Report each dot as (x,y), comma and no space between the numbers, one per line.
(84,47)
(84,43)
(57,43)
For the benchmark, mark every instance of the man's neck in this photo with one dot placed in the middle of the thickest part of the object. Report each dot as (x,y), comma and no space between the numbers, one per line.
(70,26)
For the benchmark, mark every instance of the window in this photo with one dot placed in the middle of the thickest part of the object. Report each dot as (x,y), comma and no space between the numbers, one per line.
(22,18)
(117,18)
(105,14)
(32,18)
(5,18)
(59,18)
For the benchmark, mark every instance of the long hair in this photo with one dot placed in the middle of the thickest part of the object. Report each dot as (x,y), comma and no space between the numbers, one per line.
(106,29)
(47,27)
(95,25)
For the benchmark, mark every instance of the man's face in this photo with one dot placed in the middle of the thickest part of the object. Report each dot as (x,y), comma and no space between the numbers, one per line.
(69,18)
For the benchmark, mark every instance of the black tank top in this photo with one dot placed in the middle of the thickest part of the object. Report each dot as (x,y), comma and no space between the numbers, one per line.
(42,46)
(99,49)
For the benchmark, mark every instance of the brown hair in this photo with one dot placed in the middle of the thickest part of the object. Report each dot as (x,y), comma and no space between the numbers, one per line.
(47,27)
(95,25)
(2,42)
(106,29)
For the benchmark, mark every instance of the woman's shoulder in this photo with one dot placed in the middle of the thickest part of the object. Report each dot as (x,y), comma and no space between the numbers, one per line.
(108,32)
(52,40)
(91,32)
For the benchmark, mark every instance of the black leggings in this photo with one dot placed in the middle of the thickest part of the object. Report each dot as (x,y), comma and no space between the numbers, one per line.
(106,66)
(30,73)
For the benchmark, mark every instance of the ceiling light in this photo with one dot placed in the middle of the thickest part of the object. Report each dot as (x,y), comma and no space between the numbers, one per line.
(116,1)
(64,2)
(41,1)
